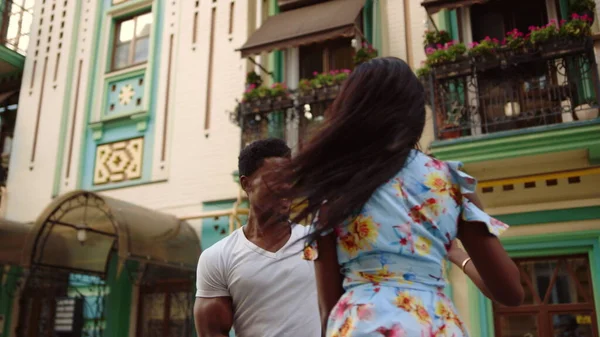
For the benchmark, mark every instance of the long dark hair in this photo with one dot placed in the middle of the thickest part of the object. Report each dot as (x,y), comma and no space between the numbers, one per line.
(370,129)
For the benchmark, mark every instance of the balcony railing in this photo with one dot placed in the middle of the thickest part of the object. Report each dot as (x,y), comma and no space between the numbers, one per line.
(296,116)
(550,86)
(16,17)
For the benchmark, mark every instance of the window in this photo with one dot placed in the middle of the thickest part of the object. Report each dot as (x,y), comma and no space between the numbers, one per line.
(558,300)
(327,56)
(166,303)
(16,24)
(497,17)
(132,41)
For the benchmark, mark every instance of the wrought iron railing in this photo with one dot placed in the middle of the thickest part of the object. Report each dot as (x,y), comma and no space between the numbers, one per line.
(551,86)
(16,17)
(294,118)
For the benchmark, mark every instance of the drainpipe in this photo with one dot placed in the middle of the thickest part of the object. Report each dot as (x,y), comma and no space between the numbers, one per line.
(408,33)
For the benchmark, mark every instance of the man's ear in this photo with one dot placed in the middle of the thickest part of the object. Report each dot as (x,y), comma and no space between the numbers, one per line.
(244,183)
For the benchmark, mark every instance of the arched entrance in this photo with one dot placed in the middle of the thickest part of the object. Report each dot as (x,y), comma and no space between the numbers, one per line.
(84,254)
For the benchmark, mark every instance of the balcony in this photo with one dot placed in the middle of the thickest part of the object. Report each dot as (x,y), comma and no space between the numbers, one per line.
(540,101)
(16,17)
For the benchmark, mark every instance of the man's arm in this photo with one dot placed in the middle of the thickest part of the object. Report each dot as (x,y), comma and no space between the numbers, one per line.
(213,309)
(213,316)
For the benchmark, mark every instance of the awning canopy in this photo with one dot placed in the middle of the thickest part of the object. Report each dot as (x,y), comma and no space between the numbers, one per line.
(320,22)
(89,226)
(13,236)
(434,6)
(6,97)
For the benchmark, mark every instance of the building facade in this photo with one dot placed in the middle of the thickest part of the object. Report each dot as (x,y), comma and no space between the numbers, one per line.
(122,121)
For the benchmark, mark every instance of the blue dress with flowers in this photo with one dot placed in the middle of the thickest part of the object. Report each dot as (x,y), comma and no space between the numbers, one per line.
(392,254)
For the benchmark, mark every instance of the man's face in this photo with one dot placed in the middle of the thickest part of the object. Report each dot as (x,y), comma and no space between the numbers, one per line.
(264,194)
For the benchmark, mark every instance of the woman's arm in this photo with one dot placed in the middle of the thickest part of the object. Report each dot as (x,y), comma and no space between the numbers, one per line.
(498,273)
(329,279)
(458,256)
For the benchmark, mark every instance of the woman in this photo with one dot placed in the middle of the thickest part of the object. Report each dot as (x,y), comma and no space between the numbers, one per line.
(389,215)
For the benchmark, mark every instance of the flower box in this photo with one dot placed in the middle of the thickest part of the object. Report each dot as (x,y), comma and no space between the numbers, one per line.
(282,103)
(332,91)
(563,47)
(486,62)
(460,67)
(307,97)
(257,106)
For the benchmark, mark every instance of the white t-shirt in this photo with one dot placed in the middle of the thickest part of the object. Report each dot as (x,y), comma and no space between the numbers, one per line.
(273,294)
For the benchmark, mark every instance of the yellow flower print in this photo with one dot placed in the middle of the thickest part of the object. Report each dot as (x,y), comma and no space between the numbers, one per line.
(442,310)
(404,301)
(362,232)
(346,328)
(423,245)
(310,253)
(437,183)
(348,244)
(381,275)
(421,314)
(365,231)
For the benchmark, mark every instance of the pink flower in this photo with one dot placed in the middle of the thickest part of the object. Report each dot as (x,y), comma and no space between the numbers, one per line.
(473,44)
(575,16)
(495,40)
(532,28)
(439,46)
(563,21)
(487,38)
(584,17)
(429,50)
(315,73)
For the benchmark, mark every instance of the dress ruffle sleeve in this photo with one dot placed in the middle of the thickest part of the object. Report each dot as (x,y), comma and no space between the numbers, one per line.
(470,212)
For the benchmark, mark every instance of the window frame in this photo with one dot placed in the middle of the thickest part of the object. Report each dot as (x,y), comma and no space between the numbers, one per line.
(117,23)
(544,310)
(167,287)
(586,242)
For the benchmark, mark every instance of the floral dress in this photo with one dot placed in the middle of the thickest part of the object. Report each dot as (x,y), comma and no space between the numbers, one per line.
(391,254)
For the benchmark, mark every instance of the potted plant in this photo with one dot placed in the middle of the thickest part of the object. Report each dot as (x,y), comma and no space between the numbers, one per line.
(432,39)
(516,45)
(306,92)
(544,38)
(583,7)
(281,97)
(450,60)
(485,53)
(252,78)
(451,127)
(256,99)
(365,54)
(423,72)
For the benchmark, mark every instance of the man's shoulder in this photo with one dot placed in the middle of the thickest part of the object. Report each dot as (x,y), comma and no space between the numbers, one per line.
(223,246)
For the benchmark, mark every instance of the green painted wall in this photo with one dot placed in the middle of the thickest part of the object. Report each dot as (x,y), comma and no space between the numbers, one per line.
(570,243)
(119,299)
(8,287)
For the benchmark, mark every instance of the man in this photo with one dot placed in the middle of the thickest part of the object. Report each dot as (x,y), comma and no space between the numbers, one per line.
(255,280)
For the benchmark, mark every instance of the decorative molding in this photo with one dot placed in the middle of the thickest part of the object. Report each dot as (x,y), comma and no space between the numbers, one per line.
(517,143)
(119,161)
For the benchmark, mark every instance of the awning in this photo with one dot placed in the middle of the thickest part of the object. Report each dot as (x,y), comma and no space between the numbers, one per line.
(90,226)
(434,6)
(13,236)
(320,22)
(5,96)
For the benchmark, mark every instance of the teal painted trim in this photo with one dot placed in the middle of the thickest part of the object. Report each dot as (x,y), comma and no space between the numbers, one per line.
(119,299)
(564,9)
(453,23)
(7,293)
(11,57)
(91,87)
(66,104)
(377,26)
(523,142)
(569,243)
(367,16)
(85,172)
(550,216)
(277,119)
